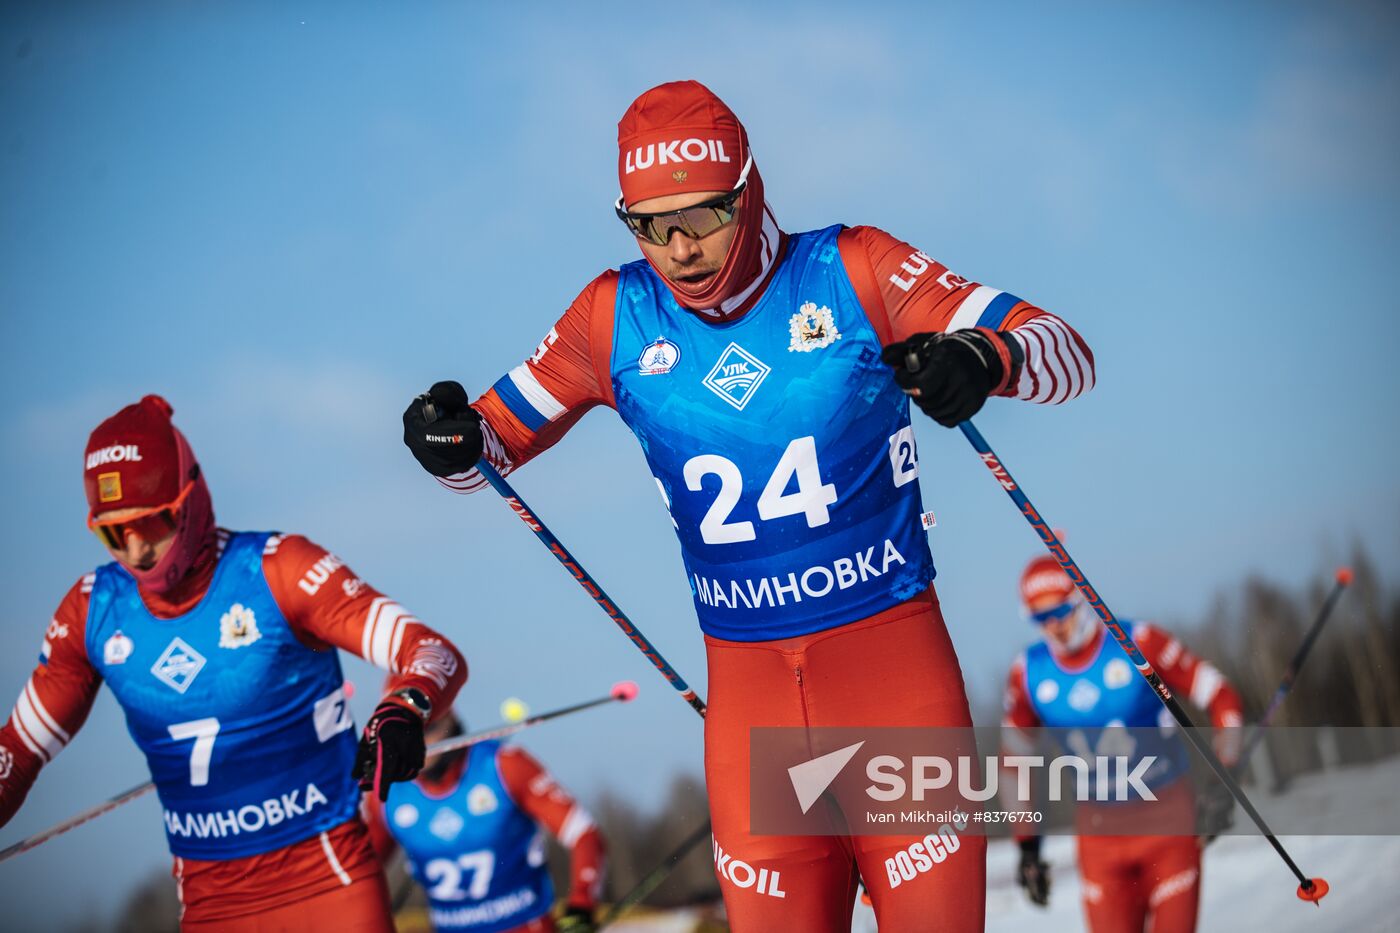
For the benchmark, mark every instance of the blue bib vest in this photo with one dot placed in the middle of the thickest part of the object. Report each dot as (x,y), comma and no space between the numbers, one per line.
(781,445)
(1108,692)
(246,730)
(480,858)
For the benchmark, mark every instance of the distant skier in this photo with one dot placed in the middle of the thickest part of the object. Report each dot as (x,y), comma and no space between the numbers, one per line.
(768,377)
(1078,678)
(220,648)
(472,826)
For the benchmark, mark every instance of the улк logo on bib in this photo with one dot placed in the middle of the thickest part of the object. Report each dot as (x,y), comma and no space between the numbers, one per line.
(1083,695)
(658,358)
(446,824)
(736,376)
(178,665)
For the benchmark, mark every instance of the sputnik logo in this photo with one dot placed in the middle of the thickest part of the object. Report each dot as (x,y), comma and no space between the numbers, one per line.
(811,778)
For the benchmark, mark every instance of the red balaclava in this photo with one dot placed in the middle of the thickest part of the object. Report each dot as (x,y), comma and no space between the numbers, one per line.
(680,137)
(138,459)
(1044,576)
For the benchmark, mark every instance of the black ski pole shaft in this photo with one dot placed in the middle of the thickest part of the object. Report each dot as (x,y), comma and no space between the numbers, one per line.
(653,879)
(1343,580)
(585,580)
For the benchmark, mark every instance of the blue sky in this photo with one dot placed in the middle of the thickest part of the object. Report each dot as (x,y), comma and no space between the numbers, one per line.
(290,217)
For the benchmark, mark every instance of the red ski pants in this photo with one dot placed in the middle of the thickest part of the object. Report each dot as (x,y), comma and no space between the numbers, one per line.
(897,668)
(359,907)
(1133,883)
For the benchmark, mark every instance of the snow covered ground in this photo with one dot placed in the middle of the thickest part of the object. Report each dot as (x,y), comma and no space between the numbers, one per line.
(1246,886)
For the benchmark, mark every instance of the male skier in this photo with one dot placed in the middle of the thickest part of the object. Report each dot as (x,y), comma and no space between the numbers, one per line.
(1077,678)
(767,377)
(472,826)
(220,648)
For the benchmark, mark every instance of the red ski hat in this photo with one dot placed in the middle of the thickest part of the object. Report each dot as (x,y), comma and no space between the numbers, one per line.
(1042,576)
(132,459)
(680,137)
(138,459)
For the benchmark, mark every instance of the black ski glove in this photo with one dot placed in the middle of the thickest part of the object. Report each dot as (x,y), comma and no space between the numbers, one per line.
(391,749)
(1215,811)
(576,920)
(442,430)
(1033,874)
(949,376)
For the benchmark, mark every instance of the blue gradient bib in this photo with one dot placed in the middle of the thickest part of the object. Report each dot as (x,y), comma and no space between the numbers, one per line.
(480,858)
(1108,692)
(245,729)
(781,446)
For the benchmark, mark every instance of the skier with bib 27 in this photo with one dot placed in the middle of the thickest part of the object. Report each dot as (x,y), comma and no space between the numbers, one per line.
(473,825)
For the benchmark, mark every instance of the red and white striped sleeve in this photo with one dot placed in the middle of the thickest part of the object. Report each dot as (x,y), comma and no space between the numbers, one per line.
(1198,679)
(54,703)
(536,792)
(920,295)
(531,407)
(328,606)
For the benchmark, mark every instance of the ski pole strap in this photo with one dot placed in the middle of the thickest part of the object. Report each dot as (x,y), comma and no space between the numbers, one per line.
(590,586)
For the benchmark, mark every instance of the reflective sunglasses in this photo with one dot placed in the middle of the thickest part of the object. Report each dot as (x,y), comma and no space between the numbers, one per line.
(696,221)
(1054,613)
(153,524)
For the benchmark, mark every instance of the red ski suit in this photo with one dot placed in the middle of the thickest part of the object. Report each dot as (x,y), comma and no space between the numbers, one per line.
(1131,881)
(825,678)
(331,878)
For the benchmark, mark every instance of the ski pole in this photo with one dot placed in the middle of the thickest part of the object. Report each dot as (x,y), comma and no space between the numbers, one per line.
(518,506)
(1309,889)
(1343,580)
(653,879)
(90,814)
(621,692)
